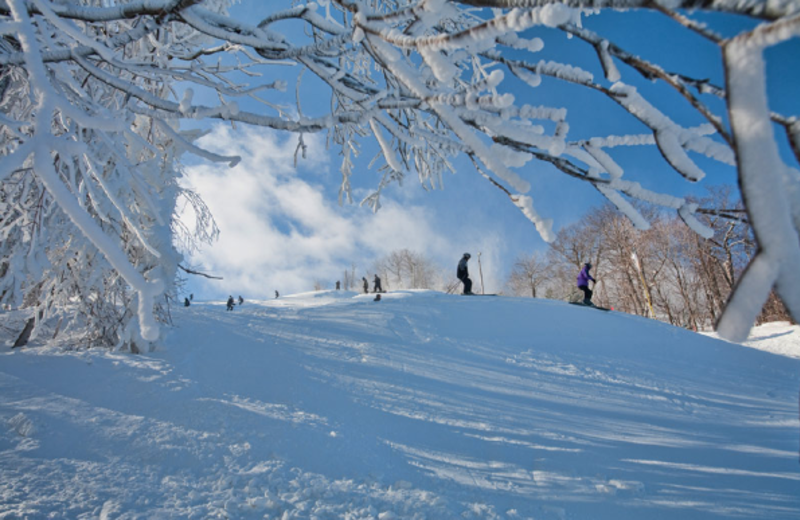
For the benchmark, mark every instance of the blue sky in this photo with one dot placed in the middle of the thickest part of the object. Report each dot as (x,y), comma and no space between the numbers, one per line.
(282,228)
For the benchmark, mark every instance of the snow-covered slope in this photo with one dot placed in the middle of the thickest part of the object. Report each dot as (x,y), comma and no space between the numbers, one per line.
(422,405)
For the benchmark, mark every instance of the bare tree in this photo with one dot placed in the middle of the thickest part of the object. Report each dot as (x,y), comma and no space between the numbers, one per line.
(668,271)
(408,270)
(528,274)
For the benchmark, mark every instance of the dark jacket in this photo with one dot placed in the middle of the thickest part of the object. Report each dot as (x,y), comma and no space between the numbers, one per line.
(462,271)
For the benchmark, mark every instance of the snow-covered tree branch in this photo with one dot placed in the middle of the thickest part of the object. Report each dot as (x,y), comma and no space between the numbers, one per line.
(93,94)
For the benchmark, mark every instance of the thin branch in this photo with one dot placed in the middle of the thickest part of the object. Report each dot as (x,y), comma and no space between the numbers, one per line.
(198,273)
(689,23)
(736,215)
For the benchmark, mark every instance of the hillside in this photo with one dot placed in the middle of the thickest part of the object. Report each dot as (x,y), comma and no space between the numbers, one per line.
(423,405)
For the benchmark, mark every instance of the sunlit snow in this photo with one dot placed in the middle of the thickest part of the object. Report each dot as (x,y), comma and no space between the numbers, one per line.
(422,405)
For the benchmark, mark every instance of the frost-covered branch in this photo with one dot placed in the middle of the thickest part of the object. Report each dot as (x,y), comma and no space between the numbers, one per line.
(770,189)
(764,9)
(649,71)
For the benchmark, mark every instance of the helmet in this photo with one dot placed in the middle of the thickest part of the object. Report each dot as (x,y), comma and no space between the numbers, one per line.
(467,255)
(587,264)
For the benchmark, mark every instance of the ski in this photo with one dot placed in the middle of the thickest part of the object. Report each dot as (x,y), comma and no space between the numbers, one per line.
(592,306)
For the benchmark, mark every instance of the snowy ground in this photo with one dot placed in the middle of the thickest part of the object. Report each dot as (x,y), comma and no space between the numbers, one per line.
(779,337)
(423,405)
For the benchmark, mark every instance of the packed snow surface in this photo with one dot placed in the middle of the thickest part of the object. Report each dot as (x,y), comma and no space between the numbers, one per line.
(422,405)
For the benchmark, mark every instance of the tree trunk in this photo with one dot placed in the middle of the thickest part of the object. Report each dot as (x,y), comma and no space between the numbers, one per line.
(23,338)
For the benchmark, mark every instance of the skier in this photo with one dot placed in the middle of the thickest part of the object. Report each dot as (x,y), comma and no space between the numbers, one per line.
(462,273)
(241,300)
(186,302)
(277,294)
(378,288)
(338,285)
(583,283)
(230,303)
(366,284)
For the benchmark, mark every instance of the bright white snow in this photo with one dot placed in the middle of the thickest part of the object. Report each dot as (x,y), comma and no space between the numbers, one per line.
(779,337)
(423,405)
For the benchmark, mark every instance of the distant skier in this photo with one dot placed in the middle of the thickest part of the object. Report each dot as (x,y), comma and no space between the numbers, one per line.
(462,273)
(191,297)
(230,303)
(377,288)
(241,300)
(276,294)
(583,283)
(366,284)
(338,285)
(186,302)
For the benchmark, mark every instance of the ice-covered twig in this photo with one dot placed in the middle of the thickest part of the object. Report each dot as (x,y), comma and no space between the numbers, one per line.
(523,202)
(232,160)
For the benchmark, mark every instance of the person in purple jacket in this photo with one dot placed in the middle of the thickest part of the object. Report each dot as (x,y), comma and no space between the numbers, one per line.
(583,283)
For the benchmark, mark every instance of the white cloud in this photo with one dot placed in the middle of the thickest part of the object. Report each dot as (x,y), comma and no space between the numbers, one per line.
(280,231)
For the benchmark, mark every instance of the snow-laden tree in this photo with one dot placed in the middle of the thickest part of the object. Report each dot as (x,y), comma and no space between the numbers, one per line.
(93,93)
(89,185)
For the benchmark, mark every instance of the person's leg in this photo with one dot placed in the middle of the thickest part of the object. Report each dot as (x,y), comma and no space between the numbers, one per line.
(587,294)
(467,286)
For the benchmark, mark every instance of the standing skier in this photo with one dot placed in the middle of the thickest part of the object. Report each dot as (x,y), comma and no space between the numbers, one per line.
(377,288)
(583,283)
(366,284)
(230,303)
(462,273)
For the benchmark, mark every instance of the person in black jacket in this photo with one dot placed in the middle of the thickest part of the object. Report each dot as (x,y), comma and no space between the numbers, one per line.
(462,273)
(377,288)
(230,303)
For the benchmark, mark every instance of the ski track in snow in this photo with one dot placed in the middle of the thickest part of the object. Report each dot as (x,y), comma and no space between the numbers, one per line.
(423,405)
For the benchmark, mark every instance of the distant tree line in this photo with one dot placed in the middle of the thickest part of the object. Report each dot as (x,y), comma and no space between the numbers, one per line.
(399,269)
(666,272)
